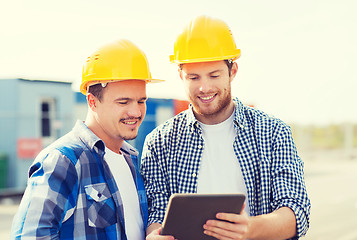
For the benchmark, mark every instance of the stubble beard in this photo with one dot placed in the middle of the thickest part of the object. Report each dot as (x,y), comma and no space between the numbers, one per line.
(131,137)
(134,131)
(221,105)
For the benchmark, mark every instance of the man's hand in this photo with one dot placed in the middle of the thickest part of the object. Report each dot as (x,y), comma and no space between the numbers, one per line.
(280,224)
(235,228)
(153,233)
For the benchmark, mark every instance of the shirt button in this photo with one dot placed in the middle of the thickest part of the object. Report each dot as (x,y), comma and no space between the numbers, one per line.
(194,174)
(199,146)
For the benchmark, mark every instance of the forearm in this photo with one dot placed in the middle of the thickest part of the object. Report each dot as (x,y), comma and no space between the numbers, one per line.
(280,224)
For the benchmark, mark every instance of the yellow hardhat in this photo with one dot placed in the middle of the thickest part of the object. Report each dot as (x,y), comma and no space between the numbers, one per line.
(205,39)
(117,61)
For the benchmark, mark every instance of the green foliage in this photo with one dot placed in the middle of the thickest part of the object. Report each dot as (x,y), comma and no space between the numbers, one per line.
(323,137)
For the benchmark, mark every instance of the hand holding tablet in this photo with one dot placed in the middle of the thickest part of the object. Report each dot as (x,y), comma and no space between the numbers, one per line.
(187,213)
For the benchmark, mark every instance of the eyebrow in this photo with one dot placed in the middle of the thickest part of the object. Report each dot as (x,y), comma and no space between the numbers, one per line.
(192,74)
(216,71)
(128,99)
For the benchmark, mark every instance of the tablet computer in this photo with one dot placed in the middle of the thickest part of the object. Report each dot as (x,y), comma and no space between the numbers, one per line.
(187,213)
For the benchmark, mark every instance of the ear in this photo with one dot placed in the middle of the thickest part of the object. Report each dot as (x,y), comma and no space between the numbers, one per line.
(180,73)
(234,70)
(92,101)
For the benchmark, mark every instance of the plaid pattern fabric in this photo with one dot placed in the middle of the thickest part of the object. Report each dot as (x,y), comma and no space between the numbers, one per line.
(272,170)
(71,193)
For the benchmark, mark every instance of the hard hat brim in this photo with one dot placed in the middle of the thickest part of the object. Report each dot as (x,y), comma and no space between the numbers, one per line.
(210,59)
(84,86)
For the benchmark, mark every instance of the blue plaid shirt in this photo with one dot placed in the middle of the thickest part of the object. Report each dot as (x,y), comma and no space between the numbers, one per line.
(71,192)
(272,170)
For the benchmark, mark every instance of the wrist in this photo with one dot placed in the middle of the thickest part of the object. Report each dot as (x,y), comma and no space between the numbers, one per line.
(152,227)
(253,225)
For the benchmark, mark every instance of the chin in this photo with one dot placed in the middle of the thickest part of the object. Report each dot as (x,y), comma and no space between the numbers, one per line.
(130,137)
(207,111)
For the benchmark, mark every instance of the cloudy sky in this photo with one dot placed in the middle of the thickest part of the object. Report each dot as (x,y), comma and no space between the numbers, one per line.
(298,57)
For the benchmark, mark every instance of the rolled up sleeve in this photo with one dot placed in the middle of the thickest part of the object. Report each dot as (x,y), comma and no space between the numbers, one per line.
(156,184)
(48,196)
(288,181)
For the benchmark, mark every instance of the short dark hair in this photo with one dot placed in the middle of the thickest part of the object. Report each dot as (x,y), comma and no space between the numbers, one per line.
(96,90)
(228,62)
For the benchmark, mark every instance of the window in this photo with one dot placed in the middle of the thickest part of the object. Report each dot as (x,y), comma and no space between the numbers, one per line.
(45,119)
(47,115)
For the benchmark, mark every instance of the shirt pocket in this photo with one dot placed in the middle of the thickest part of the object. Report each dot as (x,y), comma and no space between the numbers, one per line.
(100,206)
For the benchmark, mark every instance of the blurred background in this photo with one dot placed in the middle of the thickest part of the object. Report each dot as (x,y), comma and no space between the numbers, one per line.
(298,63)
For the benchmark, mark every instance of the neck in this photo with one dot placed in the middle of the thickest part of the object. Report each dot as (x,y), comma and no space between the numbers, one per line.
(114,144)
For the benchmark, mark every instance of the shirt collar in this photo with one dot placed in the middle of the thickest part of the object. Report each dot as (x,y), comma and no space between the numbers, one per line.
(126,147)
(239,117)
(192,122)
(92,140)
(87,136)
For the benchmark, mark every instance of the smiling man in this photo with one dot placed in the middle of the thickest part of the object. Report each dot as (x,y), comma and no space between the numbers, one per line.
(208,87)
(220,145)
(87,184)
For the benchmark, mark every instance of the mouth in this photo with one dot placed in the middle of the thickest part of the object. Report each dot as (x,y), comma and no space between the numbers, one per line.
(131,122)
(207,98)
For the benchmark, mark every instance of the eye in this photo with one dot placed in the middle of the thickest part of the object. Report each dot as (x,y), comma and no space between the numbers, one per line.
(192,77)
(123,102)
(214,76)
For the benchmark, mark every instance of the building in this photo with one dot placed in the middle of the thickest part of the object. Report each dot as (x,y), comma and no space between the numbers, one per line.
(33,113)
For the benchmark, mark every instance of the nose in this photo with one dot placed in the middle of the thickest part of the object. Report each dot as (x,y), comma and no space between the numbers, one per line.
(135,110)
(205,86)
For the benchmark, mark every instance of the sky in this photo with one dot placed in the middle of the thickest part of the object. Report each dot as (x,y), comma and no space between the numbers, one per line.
(298,57)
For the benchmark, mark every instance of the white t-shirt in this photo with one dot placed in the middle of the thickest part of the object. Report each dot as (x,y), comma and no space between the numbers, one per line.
(220,171)
(134,226)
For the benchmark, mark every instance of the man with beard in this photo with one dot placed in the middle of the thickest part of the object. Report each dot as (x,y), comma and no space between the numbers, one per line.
(87,184)
(219,145)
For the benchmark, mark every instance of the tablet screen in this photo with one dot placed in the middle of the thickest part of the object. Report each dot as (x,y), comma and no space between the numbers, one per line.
(187,213)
